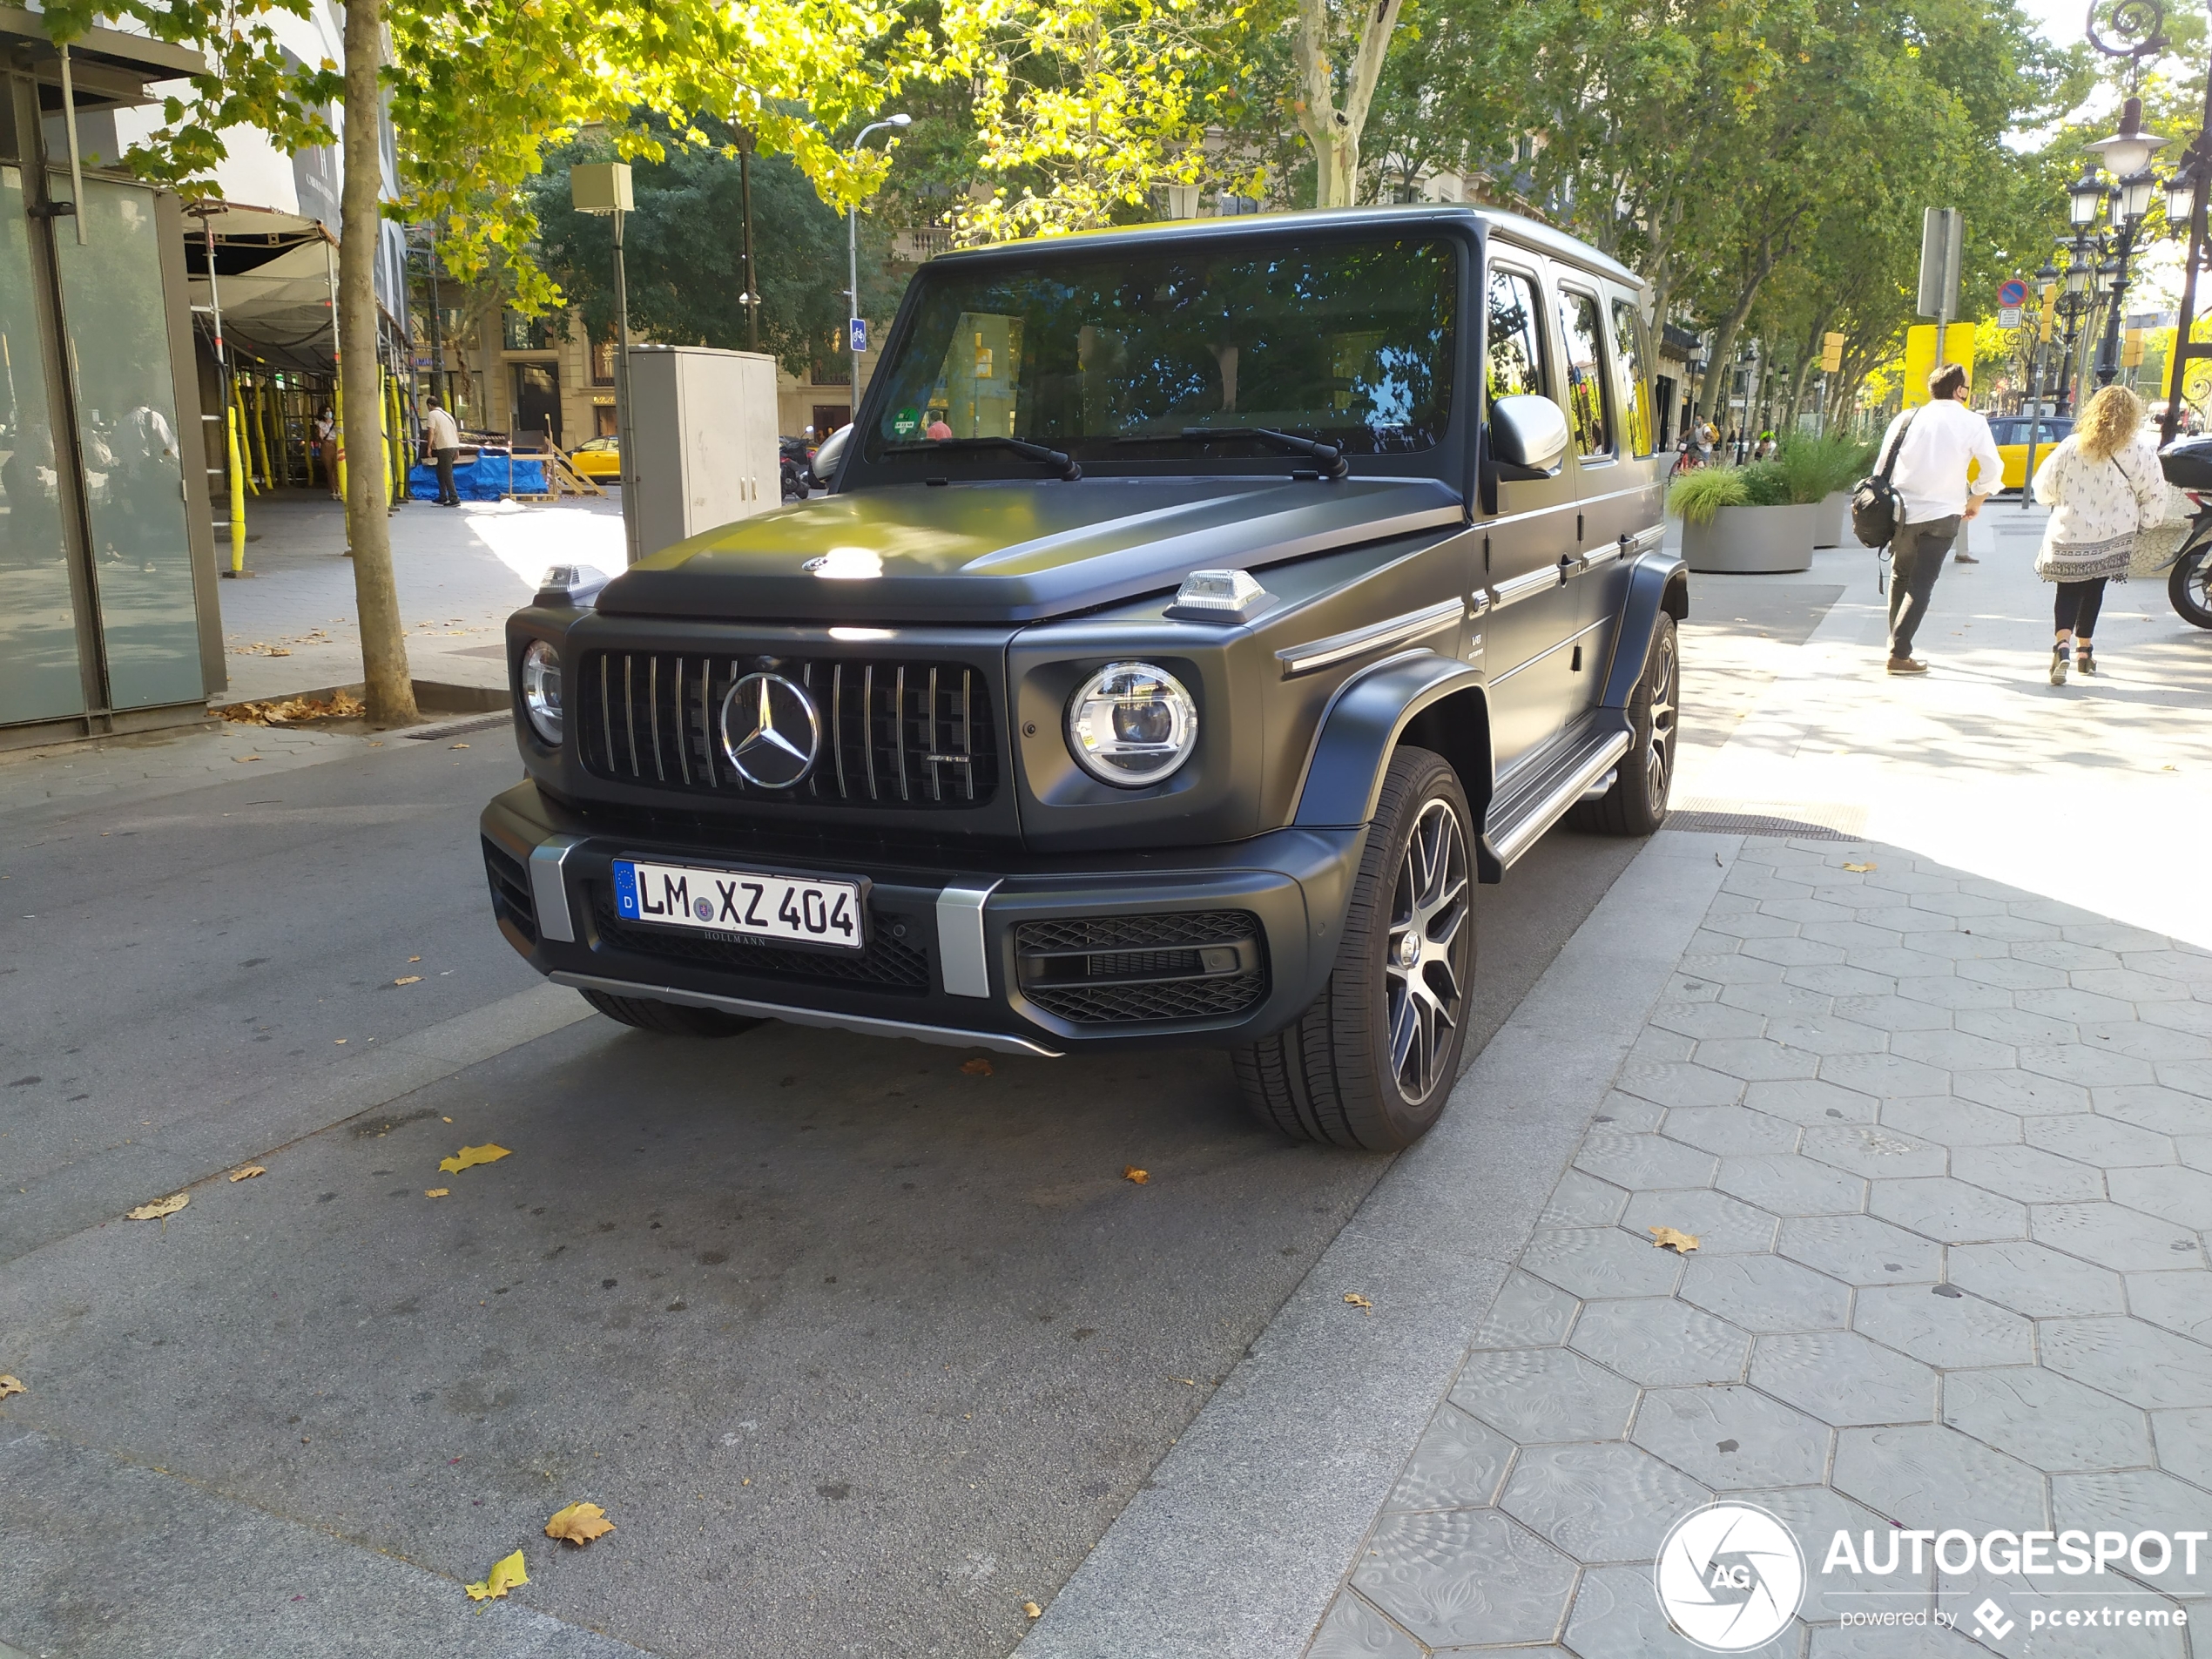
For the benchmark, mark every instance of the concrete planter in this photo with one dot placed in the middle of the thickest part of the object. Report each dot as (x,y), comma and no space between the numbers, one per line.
(1752,540)
(1833,527)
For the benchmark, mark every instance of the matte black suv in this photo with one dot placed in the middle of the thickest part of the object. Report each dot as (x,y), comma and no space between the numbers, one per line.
(1195,612)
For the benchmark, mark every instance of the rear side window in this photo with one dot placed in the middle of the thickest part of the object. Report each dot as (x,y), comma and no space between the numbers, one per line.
(1515,352)
(1579,329)
(1632,367)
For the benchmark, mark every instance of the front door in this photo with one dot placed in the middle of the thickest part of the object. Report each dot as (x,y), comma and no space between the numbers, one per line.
(1532,612)
(537,404)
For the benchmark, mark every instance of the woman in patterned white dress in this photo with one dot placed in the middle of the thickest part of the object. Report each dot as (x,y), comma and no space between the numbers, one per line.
(2103,485)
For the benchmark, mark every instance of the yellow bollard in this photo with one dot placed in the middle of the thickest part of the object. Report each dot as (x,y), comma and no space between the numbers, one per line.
(238,498)
(238,426)
(338,433)
(384,434)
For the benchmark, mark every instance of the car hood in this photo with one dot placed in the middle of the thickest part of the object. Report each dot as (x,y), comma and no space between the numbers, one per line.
(1012,551)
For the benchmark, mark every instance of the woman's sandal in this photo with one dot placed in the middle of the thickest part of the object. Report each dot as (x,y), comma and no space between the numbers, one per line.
(2059,654)
(2085,661)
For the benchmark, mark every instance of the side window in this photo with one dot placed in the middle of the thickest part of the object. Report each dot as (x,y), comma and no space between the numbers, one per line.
(1578,331)
(1634,368)
(1516,350)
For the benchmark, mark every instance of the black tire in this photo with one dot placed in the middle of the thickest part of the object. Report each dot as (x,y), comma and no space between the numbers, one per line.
(1372,1063)
(1637,805)
(669,1019)
(2189,586)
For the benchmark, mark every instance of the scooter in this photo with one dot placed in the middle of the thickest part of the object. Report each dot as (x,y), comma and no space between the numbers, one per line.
(2187,466)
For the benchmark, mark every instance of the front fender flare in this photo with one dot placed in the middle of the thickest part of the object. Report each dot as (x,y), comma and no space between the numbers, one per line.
(1656,583)
(1362,726)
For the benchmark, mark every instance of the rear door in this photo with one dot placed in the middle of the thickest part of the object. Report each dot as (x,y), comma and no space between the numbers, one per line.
(1621,492)
(1532,612)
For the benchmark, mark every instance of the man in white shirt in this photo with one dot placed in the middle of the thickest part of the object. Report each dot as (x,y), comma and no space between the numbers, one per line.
(443,439)
(1943,438)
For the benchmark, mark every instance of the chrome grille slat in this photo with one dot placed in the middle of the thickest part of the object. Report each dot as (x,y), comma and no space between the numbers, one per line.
(683,727)
(706,721)
(899,727)
(936,787)
(867,726)
(837,725)
(606,717)
(652,704)
(967,729)
(629,711)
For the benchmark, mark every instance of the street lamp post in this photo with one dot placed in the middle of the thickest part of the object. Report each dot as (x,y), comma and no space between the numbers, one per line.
(853,261)
(750,296)
(603,188)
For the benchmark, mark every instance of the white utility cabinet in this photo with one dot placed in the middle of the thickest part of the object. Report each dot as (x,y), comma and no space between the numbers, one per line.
(704,422)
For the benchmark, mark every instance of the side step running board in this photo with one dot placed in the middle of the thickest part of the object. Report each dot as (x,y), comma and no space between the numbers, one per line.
(1532,804)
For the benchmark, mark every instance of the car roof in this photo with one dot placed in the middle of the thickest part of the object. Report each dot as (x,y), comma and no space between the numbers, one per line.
(1508,227)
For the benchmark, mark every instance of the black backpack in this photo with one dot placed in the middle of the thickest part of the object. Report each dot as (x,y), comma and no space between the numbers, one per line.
(1876,512)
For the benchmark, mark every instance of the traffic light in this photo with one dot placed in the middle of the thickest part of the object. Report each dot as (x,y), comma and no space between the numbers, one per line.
(1831,353)
(2050,310)
(2131,351)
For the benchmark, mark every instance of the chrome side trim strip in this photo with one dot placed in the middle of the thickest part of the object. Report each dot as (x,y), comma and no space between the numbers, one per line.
(996,1041)
(549,891)
(1563,794)
(1320,653)
(1550,651)
(963,963)
(1528,585)
(1644,541)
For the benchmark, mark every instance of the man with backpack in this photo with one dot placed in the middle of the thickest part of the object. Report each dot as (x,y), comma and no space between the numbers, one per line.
(1930,450)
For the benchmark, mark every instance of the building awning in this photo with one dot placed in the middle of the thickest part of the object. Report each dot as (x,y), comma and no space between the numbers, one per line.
(109,68)
(1678,342)
(273,273)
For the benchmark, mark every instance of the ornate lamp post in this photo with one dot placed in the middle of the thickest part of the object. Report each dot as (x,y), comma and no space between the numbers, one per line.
(2185,206)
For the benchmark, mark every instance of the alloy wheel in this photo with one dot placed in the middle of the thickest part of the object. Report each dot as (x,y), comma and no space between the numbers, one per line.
(1425,954)
(1659,774)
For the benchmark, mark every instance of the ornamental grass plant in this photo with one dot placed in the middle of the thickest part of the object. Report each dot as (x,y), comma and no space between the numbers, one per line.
(1695,497)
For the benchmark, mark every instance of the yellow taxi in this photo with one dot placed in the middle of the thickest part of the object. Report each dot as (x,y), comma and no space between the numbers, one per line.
(2012,435)
(599,460)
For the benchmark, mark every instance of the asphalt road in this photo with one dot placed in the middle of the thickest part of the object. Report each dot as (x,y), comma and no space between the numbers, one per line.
(860,1349)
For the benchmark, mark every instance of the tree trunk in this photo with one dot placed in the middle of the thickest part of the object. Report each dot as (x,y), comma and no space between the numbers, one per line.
(1770,253)
(390,691)
(1334,133)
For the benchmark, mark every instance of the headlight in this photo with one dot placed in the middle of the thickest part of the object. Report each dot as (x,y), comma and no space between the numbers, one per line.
(542,690)
(1132,725)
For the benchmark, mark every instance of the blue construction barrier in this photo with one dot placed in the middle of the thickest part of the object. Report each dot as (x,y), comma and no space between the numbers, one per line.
(486,478)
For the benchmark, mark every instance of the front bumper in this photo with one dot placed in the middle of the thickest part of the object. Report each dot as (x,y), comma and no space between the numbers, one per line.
(993,957)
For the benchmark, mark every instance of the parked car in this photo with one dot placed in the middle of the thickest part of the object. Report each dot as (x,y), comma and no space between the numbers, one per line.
(1281,578)
(599,459)
(2011,433)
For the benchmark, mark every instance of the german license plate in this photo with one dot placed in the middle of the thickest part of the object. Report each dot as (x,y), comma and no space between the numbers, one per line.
(743,902)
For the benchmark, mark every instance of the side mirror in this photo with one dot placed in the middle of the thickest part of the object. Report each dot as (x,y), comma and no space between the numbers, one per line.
(1528,436)
(831,450)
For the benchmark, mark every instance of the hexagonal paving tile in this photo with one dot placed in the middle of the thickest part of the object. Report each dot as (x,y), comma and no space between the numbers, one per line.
(1949,991)
(1887,1076)
(2036,1280)
(1775,999)
(1679,1084)
(1893,1012)
(1810,1101)
(2012,975)
(1946,1330)
(2142,1041)
(1943,1208)
(2180,1302)
(2184,1442)
(1815,1514)
(1460,1464)
(1626,1114)
(2065,953)
(1752,924)
(1791,1185)
(1732,1436)
(1581,1200)
(2134,1501)
(1860,1249)
(1730,1128)
(1352,1629)
(1658,1340)
(2027,1173)
(2086,1137)
(1759,1059)
(1652,1043)
(1702,1020)
(2168,1112)
(2026,1093)
(1599,1261)
(1539,1394)
(1932,1476)
(1792,952)
(2182,1196)
(2136,1362)
(1765,1293)
(2047,1419)
(1949,1121)
(2113,1236)
(2126,983)
(1723,1226)
(2014,1025)
(2076,1007)
(1872,1149)
(1843,1379)
(1609,1502)
(1465,1575)
(1638,1161)
(1839,979)
(1616,1616)
(1957,1050)
(2076,1063)
(2191,966)
(2196,1017)
(1527,1314)
(1827,1035)
(1733,968)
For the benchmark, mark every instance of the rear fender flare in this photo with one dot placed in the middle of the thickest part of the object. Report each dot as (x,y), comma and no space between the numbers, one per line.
(1656,583)
(1419,697)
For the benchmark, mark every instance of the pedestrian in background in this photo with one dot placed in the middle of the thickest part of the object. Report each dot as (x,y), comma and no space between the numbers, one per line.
(1934,445)
(2103,485)
(443,439)
(326,446)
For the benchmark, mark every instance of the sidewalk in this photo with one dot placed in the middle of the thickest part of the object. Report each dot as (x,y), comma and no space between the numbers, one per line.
(292,625)
(1930,1085)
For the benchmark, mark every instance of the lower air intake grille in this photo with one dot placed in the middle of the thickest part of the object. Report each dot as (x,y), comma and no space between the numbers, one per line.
(511,890)
(1107,970)
(888,963)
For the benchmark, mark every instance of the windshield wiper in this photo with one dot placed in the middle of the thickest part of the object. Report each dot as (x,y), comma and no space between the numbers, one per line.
(1063,464)
(1330,455)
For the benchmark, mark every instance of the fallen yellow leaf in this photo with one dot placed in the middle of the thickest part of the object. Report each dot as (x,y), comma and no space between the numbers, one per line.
(1669,1239)
(461,745)
(468,1157)
(11,1385)
(579,1523)
(1860,869)
(414,959)
(411,979)
(1033,1610)
(1360,1302)
(160,1207)
(445,1120)
(978,1066)
(504,1576)
(248,1172)
(1133,1173)
(437,1192)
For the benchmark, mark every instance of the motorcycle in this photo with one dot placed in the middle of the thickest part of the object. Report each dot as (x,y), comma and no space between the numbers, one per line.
(2187,466)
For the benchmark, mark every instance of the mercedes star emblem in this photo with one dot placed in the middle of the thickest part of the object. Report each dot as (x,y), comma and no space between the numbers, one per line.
(771,730)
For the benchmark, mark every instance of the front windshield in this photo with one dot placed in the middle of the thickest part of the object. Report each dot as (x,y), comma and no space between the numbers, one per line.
(1114,358)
